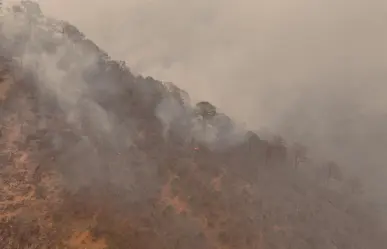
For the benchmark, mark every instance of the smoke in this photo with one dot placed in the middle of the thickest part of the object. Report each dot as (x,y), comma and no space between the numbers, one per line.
(180,119)
(66,85)
(312,71)
(62,71)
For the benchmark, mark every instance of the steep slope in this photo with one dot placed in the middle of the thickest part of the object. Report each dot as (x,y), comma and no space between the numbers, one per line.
(92,156)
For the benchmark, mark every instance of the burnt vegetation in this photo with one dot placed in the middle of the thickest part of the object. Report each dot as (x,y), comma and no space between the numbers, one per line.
(125,165)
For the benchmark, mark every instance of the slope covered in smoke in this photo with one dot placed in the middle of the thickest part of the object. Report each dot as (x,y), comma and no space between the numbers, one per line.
(93,156)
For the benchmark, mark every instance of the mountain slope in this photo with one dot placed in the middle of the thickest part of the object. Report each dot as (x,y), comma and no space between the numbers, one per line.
(92,156)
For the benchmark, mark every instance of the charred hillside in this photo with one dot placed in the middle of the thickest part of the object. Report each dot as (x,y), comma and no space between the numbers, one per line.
(92,156)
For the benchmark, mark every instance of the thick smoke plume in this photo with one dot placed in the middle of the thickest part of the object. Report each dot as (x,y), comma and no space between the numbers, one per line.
(313,71)
(92,155)
(66,69)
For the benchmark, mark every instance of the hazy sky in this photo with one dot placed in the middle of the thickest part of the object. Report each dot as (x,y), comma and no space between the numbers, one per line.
(312,70)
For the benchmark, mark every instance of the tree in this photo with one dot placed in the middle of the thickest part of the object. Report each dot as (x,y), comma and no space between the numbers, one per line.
(277,149)
(178,94)
(205,109)
(334,171)
(32,8)
(72,32)
(299,151)
(252,138)
(330,171)
(207,112)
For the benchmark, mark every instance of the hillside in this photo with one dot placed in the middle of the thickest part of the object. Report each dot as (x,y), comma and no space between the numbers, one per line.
(94,157)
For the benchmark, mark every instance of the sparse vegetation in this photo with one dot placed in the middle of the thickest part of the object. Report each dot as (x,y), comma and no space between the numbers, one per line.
(102,175)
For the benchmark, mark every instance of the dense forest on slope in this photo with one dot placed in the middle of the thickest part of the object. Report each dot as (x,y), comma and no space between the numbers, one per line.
(92,156)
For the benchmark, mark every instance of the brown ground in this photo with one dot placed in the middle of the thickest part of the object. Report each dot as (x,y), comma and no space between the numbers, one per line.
(72,185)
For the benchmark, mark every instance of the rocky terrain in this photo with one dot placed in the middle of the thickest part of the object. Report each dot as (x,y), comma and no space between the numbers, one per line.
(92,156)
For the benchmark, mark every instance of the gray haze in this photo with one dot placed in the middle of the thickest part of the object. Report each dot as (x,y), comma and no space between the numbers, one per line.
(313,71)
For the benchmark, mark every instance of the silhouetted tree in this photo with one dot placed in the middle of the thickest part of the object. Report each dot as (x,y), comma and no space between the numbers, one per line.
(276,149)
(72,32)
(178,94)
(334,171)
(299,151)
(252,138)
(205,109)
(32,8)
(330,171)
